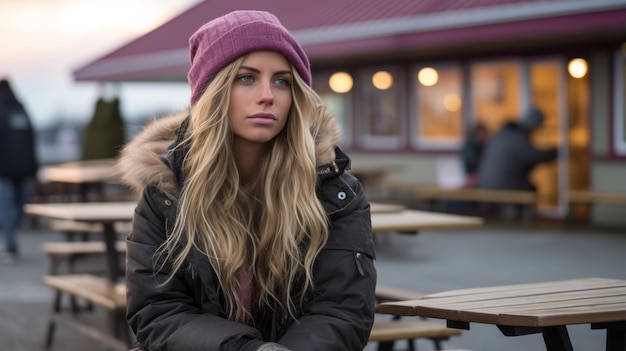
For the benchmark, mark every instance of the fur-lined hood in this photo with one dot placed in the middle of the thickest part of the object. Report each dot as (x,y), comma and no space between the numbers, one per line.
(141,164)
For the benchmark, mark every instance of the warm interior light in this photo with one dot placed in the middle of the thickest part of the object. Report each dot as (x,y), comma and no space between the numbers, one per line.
(382,80)
(428,76)
(452,102)
(340,82)
(577,68)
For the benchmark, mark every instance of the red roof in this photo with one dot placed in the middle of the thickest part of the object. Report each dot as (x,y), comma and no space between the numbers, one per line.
(330,29)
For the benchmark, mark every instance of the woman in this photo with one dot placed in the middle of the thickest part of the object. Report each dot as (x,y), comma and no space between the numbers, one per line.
(249,234)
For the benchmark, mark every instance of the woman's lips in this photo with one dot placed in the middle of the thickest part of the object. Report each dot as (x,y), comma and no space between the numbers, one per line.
(262,118)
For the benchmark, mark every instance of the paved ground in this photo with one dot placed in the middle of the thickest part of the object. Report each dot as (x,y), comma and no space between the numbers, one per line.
(430,262)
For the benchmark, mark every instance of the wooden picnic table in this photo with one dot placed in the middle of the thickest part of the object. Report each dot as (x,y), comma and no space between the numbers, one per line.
(86,174)
(105,213)
(520,309)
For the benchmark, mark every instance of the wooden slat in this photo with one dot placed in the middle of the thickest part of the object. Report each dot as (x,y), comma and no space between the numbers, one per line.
(91,288)
(413,220)
(62,225)
(588,196)
(410,329)
(389,293)
(79,248)
(432,191)
(378,207)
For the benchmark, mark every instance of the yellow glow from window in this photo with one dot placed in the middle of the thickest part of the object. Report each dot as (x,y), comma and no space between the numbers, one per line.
(428,76)
(452,102)
(382,80)
(340,82)
(577,68)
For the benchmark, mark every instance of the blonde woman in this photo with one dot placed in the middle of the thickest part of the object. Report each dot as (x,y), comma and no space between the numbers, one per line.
(249,233)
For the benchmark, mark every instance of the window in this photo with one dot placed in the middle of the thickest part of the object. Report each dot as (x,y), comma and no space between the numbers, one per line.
(495,89)
(620,106)
(338,99)
(379,122)
(437,110)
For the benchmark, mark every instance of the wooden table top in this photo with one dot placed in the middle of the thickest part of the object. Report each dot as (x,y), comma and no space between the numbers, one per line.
(542,304)
(85,212)
(414,220)
(379,207)
(79,172)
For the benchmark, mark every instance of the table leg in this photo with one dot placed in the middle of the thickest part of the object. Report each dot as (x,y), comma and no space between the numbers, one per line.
(615,335)
(557,338)
(112,256)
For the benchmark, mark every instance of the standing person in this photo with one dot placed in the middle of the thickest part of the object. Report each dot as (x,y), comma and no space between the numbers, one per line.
(472,152)
(249,235)
(509,156)
(18,167)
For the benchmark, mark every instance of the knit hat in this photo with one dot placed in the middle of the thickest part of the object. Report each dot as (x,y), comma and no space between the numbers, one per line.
(532,119)
(222,40)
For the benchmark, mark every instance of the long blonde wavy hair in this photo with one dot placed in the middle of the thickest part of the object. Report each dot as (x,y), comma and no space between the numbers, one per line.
(274,231)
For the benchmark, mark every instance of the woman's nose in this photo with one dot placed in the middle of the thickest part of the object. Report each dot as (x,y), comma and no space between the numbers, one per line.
(266,95)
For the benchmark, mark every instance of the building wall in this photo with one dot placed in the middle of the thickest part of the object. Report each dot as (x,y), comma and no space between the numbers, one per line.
(606,175)
(609,176)
(601,105)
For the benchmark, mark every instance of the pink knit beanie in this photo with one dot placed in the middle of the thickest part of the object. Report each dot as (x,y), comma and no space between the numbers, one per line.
(222,40)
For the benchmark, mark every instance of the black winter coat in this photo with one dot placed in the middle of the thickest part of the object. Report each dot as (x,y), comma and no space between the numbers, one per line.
(18,158)
(187,313)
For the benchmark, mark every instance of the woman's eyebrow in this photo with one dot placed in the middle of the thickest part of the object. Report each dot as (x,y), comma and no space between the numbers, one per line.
(258,71)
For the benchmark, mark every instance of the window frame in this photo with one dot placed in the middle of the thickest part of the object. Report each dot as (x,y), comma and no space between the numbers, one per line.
(347,127)
(364,140)
(619,108)
(415,118)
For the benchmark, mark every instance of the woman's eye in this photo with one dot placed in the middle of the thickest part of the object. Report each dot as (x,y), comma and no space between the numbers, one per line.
(246,78)
(283,82)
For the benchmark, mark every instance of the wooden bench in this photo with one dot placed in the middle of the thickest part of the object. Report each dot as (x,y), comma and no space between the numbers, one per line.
(596,197)
(387,332)
(70,251)
(72,228)
(525,200)
(99,292)
(586,198)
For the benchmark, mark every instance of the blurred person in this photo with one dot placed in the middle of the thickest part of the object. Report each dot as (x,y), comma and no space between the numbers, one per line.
(18,167)
(249,234)
(509,156)
(471,152)
(105,134)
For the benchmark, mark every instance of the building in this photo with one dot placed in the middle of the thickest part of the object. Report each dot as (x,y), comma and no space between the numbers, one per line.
(407,78)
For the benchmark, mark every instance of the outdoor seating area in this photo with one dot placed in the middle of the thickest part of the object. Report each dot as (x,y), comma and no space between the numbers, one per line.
(94,230)
(408,267)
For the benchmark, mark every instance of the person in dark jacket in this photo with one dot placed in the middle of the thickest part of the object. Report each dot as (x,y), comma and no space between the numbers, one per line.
(472,152)
(509,156)
(249,234)
(18,167)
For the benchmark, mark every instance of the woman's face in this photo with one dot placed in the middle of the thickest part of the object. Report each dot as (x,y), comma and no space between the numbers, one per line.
(260,98)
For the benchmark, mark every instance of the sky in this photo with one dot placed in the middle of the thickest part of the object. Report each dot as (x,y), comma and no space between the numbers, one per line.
(43,41)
